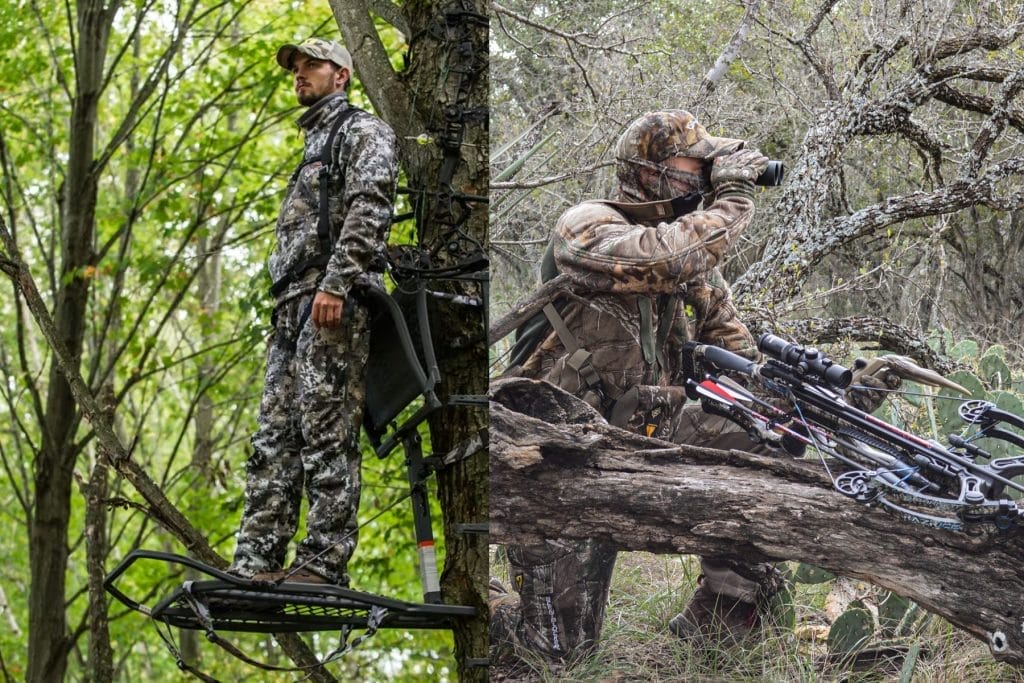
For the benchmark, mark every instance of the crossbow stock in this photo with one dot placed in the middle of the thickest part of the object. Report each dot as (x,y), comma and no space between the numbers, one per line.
(917,479)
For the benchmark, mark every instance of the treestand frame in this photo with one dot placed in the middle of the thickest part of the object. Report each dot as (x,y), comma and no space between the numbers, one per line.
(399,371)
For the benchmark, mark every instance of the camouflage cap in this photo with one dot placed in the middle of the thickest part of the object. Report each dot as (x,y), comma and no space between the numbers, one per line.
(317,48)
(660,135)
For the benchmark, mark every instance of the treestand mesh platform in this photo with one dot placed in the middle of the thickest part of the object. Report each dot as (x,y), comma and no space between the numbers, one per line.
(228,603)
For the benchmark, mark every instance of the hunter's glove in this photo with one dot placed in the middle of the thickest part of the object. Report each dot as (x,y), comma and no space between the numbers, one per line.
(735,173)
(868,391)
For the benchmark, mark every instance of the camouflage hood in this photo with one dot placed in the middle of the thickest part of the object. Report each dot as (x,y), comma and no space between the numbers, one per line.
(657,136)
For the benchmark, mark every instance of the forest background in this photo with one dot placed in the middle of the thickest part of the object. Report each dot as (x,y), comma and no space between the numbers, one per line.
(898,227)
(144,148)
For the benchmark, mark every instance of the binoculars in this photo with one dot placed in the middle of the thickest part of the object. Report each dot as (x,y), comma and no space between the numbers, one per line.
(772,176)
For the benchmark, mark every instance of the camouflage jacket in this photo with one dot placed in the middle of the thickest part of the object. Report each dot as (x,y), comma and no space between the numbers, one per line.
(361,195)
(619,264)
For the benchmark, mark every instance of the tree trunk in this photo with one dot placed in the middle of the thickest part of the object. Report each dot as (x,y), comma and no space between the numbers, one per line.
(460,334)
(445,91)
(559,471)
(48,546)
(101,656)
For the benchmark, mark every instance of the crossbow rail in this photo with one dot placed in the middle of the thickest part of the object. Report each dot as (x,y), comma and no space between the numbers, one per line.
(228,603)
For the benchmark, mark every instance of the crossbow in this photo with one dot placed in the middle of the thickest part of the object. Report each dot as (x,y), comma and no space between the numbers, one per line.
(919,480)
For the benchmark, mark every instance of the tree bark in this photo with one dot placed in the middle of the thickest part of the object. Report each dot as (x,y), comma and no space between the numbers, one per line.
(444,95)
(101,655)
(48,546)
(574,476)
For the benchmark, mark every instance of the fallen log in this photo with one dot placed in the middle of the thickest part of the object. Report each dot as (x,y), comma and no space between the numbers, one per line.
(558,470)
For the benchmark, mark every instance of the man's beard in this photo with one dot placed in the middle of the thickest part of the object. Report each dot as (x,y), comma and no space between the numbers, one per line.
(310,97)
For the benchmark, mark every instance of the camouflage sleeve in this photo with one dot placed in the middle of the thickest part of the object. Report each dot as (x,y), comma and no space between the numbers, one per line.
(371,170)
(716,319)
(598,246)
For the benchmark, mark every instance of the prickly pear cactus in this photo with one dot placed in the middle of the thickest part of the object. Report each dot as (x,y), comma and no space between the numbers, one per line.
(806,573)
(851,631)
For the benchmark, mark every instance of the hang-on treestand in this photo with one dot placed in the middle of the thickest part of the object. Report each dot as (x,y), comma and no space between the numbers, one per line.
(400,370)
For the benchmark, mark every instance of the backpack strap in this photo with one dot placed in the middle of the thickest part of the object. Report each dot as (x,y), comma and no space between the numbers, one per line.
(579,358)
(323,223)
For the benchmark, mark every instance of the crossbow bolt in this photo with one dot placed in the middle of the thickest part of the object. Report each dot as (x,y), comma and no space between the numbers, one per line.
(907,369)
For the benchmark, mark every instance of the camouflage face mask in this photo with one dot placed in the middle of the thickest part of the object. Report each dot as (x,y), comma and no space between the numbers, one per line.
(667,183)
(683,182)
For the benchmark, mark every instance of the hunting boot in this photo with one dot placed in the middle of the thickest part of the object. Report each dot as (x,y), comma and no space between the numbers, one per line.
(291,575)
(713,617)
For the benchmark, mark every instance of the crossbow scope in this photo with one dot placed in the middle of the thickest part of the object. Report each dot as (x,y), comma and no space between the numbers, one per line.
(806,362)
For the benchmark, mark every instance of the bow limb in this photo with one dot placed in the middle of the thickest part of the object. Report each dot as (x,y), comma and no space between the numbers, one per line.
(907,369)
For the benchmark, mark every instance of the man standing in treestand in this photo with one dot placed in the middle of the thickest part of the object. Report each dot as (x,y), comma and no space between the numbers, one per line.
(331,235)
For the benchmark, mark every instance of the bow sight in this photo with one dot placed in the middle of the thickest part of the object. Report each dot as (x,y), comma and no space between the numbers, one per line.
(802,405)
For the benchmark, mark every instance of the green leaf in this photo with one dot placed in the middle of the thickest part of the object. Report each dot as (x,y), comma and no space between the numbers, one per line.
(946,410)
(965,349)
(907,671)
(994,370)
(911,398)
(891,612)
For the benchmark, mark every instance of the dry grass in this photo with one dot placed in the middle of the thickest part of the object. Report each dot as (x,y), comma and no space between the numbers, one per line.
(648,590)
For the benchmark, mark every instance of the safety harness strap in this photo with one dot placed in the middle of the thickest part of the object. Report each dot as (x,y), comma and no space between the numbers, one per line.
(323,224)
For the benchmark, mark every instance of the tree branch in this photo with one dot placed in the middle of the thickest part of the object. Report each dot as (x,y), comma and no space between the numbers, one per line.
(947,94)
(793,257)
(994,126)
(731,51)
(804,44)
(962,44)
(582,38)
(390,13)
(541,182)
(371,60)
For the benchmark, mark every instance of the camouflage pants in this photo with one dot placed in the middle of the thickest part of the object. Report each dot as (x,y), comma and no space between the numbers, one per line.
(563,585)
(308,433)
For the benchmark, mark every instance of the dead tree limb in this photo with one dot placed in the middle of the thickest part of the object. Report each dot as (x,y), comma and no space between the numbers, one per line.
(558,470)
(529,307)
(730,53)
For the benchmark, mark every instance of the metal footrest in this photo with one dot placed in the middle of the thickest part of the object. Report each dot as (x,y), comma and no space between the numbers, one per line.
(229,603)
